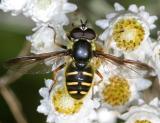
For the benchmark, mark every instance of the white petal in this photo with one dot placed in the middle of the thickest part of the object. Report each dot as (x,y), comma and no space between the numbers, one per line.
(141,102)
(152,19)
(133,8)
(152,26)
(144,14)
(44,92)
(43,109)
(68,7)
(106,116)
(62,19)
(104,35)
(145,108)
(93,116)
(125,116)
(48,83)
(96,103)
(155,102)
(142,84)
(142,8)
(111,15)
(141,110)
(51,118)
(118,7)
(102,23)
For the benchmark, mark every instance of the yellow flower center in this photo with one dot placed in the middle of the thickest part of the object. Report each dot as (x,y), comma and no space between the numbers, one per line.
(64,104)
(117,92)
(128,34)
(43,4)
(143,121)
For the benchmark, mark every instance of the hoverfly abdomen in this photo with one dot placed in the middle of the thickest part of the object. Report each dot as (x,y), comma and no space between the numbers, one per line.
(78,82)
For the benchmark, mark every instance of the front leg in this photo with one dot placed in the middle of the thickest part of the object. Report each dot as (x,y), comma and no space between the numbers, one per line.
(54,38)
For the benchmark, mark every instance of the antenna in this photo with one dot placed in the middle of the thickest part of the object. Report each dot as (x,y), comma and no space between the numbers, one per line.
(83,23)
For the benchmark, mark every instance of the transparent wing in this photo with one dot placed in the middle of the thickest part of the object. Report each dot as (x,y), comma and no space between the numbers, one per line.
(125,67)
(36,64)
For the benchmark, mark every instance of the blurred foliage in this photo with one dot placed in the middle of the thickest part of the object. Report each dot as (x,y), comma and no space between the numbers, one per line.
(12,39)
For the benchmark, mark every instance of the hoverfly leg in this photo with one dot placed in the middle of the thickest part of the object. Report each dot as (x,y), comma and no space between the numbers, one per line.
(100,76)
(54,38)
(60,45)
(96,83)
(69,37)
(54,76)
(92,93)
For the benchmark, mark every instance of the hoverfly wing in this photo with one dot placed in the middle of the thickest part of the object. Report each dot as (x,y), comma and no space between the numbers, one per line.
(125,67)
(36,64)
(34,67)
(128,71)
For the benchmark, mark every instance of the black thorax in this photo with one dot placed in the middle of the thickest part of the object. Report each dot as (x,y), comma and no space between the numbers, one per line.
(82,53)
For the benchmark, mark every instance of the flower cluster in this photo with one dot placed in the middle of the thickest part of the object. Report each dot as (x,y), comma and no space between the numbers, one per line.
(127,34)
(40,10)
(49,16)
(119,95)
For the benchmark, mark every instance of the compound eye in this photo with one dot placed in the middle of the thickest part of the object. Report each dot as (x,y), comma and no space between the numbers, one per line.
(90,34)
(76,33)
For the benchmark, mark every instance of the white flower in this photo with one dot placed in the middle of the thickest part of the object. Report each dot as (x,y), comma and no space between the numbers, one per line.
(127,31)
(42,11)
(42,41)
(143,113)
(49,10)
(119,92)
(15,6)
(106,116)
(61,108)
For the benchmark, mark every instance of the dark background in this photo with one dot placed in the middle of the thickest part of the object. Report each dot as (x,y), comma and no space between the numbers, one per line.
(13,30)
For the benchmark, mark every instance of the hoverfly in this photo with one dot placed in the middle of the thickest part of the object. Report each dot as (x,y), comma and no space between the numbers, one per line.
(79,70)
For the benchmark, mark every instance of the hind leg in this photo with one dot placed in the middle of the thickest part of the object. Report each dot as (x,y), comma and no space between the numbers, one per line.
(101,79)
(100,76)
(54,76)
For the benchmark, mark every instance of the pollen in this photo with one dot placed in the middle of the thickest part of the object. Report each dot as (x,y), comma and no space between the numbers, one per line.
(64,104)
(128,34)
(143,121)
(117,92)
